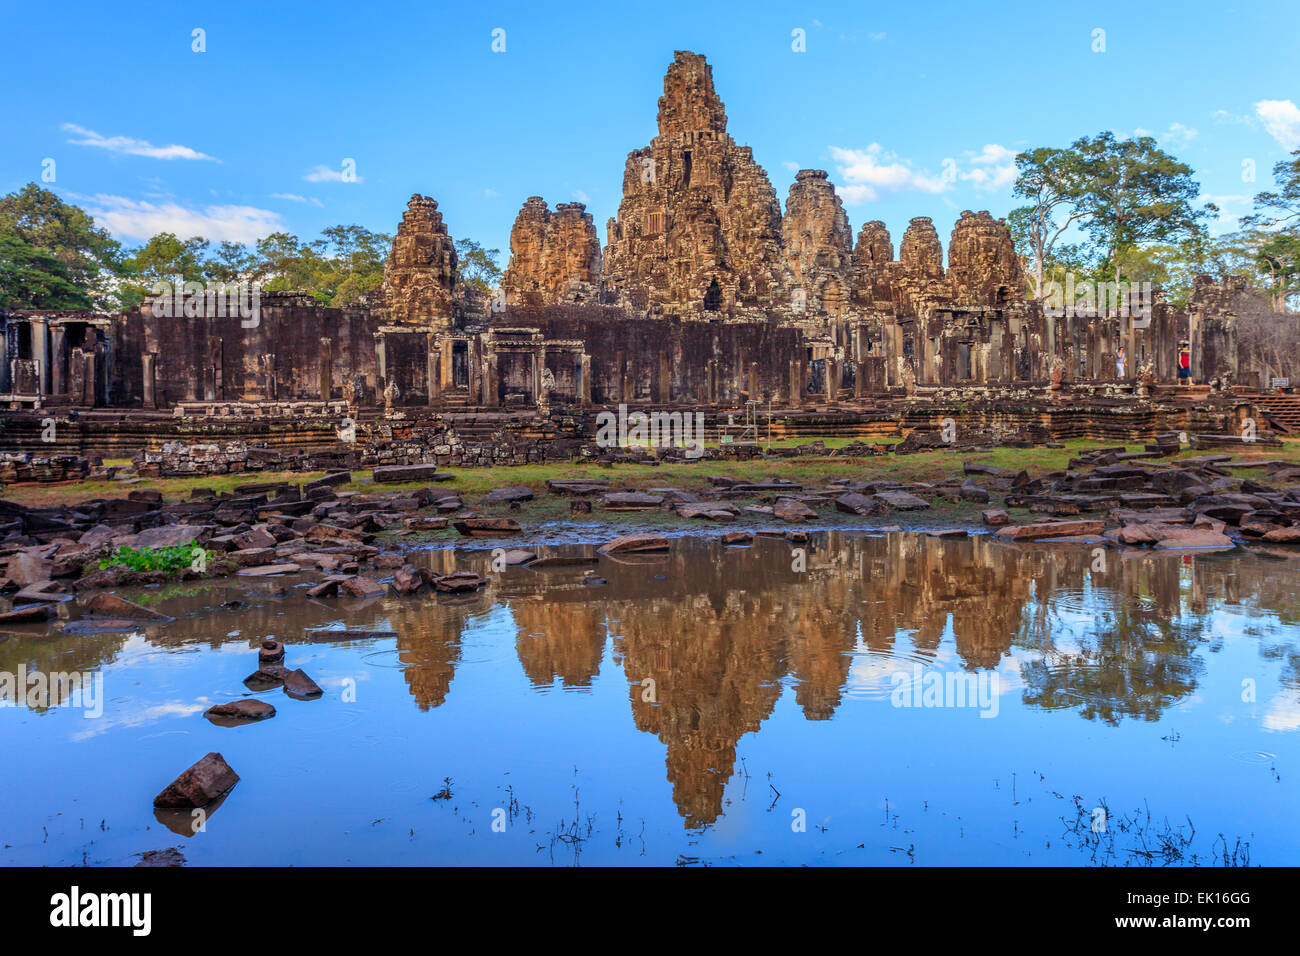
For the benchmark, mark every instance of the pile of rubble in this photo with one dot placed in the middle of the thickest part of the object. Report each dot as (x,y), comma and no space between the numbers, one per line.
(24,466)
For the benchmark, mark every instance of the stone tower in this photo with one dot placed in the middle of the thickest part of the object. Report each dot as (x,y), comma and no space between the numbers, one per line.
(699,226)
(554,257)
(421,270)
(818,244)
(983,268)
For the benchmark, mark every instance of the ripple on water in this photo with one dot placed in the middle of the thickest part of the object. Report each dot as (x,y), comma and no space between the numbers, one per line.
(1254,756)
(872,672)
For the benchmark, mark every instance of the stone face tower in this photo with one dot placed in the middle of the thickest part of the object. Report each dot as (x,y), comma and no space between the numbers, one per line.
(983,267)
(554,257)
(421,270)
(818,244)
(699,225)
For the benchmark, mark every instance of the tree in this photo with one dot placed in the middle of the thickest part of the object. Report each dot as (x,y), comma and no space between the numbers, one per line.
(1280,207)
(90,257)
(477,266)
(32,278)
(1133,192)
(1052,181)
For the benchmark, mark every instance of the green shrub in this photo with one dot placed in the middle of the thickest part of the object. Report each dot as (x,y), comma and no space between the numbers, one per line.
(172,560)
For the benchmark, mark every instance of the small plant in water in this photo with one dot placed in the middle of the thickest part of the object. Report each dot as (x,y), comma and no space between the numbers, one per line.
(172,560)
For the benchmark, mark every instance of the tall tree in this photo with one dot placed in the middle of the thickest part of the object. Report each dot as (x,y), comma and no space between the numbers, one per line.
(33,278)
(1279,207)
(1133,193)
(91,258)
(1052,180)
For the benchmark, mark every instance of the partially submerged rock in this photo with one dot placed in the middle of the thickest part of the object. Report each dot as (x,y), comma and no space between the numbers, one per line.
(239,711)
(635,544)
(200,785)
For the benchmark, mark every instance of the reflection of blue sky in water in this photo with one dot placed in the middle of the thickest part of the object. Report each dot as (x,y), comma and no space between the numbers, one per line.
(1124,687)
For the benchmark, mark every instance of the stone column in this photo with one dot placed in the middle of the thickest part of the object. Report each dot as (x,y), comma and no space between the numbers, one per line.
(754,394)
(663,383)
(796,390)
(90,389)
(381,362)
(446,349)
(58,379)
(831,368)
(620,372)
(474,361)
(326,384)
(41,353)
(433,368)
(268,376)
(492,387)
(4,359)
(860,379)
(147,364)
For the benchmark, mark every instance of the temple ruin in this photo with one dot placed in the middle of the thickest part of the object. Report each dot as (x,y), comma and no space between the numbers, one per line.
(706,293)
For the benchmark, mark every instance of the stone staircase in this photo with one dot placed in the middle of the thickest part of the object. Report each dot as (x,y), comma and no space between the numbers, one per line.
(1282,412)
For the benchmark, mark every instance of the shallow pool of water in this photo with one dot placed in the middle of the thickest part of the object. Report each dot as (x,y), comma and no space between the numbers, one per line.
(892,699)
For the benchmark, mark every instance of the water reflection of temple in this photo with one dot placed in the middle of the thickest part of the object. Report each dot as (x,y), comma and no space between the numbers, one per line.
(722,631)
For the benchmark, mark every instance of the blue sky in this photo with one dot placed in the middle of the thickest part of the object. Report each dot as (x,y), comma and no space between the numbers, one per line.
(915,109)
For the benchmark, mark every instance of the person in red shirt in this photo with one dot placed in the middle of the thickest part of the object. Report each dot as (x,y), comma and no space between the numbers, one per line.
(1184,366)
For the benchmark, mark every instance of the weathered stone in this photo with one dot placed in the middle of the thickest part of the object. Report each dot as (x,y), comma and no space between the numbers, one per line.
(239,711)
(554,257)
(486,527)
(200,785)
(1054,529)
(901,500)
(301,687)
(635,544)
(110,605)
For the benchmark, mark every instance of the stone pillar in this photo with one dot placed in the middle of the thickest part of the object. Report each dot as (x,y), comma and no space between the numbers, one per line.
(620,374)
(268,376)
(754,394)
(90,384)
(445,350)
(381,362)
(4,359)
(831,368)
(58,379)
(326,384)
(663,382)
(796,390)
(148,363)
(41,353)
(535,374)
(474,361)
(492,387)
(582,372)
(711,369)
(432,368)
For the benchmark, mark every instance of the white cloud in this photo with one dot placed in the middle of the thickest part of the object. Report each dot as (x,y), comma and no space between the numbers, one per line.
(490,193)
(876,36)
(1281,118)
(137,219)
(1223,116)
(327,174)
(868,172)
(793,167)
(294,197)
(993,168)
(1177,136)
(127,146)
(582,197)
